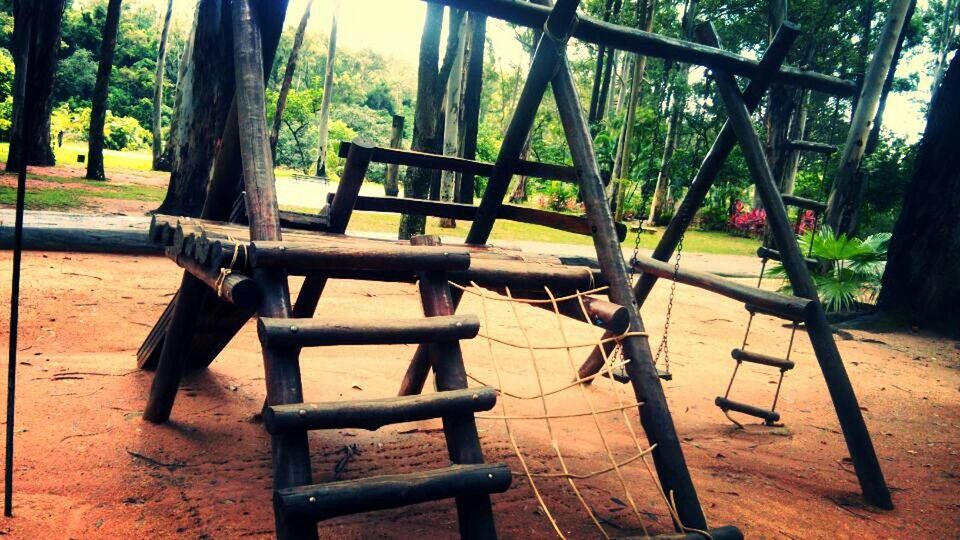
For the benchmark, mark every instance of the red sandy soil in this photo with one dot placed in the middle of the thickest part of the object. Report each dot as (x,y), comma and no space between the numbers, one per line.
(88,466)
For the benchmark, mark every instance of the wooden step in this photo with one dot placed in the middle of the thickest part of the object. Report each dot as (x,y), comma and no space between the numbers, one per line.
(766,360)
(372,414)
(764,414)
(806,204)
(277,332)
(769,253)
(773,312)
(324,501)
(313,256)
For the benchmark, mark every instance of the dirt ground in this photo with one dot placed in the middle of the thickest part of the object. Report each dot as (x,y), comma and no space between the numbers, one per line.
(87,466)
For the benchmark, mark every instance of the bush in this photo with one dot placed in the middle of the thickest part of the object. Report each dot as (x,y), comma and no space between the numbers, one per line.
(558,196)
(747,222)
(850,269)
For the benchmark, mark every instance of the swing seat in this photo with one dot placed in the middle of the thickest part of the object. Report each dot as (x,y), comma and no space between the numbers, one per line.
(769,253)
(727,405)
(763,359)
(620,375)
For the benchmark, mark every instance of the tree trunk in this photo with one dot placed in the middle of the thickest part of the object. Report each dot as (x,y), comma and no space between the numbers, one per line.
(948,24)
(427,135)
(396,141)
(452,119)
(608,68)
(288,80)
(157,146)
(40,22)
(473,88)
(204,94)
(327,96)
(636,81)
(779,112)
(888,82)
(598,69)
(98,112)
(846,195)
(166,158)
(920,283)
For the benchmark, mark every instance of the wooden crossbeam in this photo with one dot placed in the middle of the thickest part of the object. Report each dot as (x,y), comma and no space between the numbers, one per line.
(637,41)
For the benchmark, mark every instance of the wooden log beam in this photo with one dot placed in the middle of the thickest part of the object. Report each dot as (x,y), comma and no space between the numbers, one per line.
(800,202)
(235,288)
(295,256)
(316,332)
(325,501)
(595,31)
(372,414)
(427,160)
(854,428)
(558,23)
(59,231)
(706,175)
(467,212)
(654,414)
(797,308)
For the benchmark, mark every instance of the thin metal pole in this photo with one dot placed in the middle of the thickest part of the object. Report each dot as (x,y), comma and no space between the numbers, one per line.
(24,126)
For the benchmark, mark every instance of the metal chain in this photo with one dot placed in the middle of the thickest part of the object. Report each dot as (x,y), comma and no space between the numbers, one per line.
(664,348)
(632,271)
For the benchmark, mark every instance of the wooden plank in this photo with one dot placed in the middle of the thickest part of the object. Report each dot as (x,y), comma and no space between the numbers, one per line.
(427,160)
(321,332)
(59,231)
(372,414)
(854,428)
(800,202)
(296,256)
(595,31)
(467,212)
(797,308)
(325,501)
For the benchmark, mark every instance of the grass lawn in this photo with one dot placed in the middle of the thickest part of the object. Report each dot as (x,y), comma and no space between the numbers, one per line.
(66,198)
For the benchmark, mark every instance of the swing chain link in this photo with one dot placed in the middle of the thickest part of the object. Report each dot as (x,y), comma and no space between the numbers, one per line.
(664,348)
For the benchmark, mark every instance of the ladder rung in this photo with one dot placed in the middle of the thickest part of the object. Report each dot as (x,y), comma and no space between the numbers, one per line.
(277,332)
(753,308)
(806,204)
(768,253)
(324,501)
(375,413)
(326,256)
(766,360)
(764,414)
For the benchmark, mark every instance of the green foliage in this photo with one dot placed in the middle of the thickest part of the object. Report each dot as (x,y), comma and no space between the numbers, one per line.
(558,196)
(850,269)
(6,91)
(119,132)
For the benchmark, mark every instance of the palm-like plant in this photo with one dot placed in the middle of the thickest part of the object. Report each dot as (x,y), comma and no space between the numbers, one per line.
(850,269)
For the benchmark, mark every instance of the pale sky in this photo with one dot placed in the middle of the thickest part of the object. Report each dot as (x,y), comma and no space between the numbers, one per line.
(392,28)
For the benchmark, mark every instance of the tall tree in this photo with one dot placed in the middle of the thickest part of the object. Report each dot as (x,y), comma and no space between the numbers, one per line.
(427,132)
(452,121)
(846,194)
(780,111)
(660,203)
(327,95)
(874,137)
(472,90)
(158,161)
(622,162)
(288,79)
(920,283)
(36,30)
(204,94)
(950,17)
(98,112)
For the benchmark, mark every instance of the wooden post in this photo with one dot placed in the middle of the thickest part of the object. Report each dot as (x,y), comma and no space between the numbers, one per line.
(769,66)
(474,512)
(291,457)
(390,188)
(821,337)
(558,25)
(654,414)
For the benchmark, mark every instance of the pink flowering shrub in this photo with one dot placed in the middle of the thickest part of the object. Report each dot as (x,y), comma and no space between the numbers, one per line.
(747,222)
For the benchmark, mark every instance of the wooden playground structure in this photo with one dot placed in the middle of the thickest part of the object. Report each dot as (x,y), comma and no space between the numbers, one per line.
(237,258)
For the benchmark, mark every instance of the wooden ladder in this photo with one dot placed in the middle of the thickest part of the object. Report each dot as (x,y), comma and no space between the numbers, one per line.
(468,480)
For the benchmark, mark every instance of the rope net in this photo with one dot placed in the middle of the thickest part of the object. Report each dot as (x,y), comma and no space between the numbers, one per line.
(526,407)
